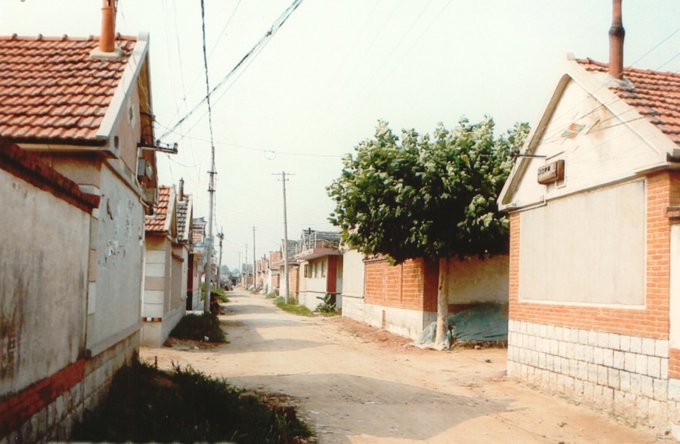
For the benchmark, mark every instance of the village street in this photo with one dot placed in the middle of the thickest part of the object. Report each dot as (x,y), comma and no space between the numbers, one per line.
(356,384)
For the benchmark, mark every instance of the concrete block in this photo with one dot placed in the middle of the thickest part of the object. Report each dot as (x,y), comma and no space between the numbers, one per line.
(562,348)
(550,362)
(642,407)
(661,347)
(583,370)
(661,389)
(654,366)
(625,343)
(583,337)
(578,388)
(631,405)
(619,360)
(629,363)
(649,346)
(673,412)
(554,347)
(613,380)
(614,341)
(607,398)
(597,355)
(592,338)
(674,389)
(573,335)
(573,368)
(557,333)
(608,357)
(570,350)
(588,354)
(531,342)
(543,331)
(636,344)
(647,386)
(589,392)
(550,332)
(624,381)
(641,364)
(664,369)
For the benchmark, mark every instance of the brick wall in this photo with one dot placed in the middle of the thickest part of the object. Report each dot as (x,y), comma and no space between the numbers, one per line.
(411,285)
(651,321)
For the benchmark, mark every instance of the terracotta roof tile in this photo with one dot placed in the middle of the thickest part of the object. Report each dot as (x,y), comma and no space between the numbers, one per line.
(156,223)
(56,77)
(655,95)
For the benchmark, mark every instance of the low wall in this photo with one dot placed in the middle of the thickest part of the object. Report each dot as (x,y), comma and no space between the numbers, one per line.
(400,321)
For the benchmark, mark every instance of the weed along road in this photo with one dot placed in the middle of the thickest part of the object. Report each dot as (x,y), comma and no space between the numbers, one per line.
(355,384)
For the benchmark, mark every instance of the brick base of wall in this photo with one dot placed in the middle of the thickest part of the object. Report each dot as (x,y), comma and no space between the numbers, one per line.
(47,410)
(624,374)
(353,308)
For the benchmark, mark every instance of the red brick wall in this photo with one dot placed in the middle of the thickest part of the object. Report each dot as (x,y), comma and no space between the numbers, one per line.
(20,407)
(411,285)
(663,190)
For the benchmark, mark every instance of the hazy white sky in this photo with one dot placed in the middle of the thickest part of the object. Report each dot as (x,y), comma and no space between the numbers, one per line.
(337,66)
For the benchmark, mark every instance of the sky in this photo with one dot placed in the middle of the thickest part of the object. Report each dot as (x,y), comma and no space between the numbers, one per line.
(324,79)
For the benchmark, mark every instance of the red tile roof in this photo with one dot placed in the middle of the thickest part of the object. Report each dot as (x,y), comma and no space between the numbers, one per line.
(655,95)
(51,89)
(156,223)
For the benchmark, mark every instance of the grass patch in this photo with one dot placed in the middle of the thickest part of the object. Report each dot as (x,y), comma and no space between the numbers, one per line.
(199,326)
(292,308)
(146,404)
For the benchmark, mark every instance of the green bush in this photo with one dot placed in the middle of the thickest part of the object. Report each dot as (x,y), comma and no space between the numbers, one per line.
(292,308)
(146,404)
(198,327)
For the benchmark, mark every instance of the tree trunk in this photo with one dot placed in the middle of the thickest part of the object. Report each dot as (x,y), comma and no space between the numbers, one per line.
(442,301)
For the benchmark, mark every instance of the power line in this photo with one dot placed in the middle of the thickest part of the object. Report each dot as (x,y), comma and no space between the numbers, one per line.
(254,51)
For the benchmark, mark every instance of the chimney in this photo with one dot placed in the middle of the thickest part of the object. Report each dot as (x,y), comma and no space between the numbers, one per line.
(107,41)
(616,35)
(181,189)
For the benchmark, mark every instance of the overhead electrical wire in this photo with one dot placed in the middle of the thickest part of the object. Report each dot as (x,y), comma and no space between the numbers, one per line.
(254,51)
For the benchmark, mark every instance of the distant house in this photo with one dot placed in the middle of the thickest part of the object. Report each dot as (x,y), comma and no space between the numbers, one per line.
(595,242)
(83,106)
(320,267)
(166,266)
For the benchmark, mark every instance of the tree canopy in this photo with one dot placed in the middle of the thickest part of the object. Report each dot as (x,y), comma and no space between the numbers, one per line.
(431,197)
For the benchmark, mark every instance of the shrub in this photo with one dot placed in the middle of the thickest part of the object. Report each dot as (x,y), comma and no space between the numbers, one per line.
(146,404)
(198,327)
(292,308)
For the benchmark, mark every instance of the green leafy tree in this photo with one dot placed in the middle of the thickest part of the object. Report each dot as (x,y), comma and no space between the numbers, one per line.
(427,197)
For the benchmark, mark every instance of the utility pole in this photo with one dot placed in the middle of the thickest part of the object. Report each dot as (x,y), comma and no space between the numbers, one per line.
(219,262)
(239,263)
(254,262)
(285,236)
(245,270)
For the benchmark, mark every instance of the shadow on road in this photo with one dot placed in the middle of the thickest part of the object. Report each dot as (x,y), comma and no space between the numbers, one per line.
(378,408)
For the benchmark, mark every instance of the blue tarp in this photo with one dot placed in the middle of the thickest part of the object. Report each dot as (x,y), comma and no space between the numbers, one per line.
(480,322)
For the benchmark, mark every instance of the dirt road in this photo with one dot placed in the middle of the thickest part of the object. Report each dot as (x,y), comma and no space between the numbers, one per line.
(355,384)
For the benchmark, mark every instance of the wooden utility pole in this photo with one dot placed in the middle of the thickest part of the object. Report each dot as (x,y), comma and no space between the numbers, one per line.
(219,262)
(254,262)
(285,236)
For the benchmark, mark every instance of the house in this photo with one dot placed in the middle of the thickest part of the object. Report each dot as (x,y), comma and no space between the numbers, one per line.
(595,241)
(83,106)
(293,266)
(320,267)
(166,264)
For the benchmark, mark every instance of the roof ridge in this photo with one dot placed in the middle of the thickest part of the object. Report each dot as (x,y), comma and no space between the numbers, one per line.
(62,38)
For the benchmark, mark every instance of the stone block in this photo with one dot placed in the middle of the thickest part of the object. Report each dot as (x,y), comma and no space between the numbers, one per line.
(658,413)
(654,366)
(588,354)
(589,392)
(619,360)
(664,369)
(592,373)
(614,341)
(630,360)
(608,357)
(674,389)
(554,346)
(573,335)
(642,408)
(562,349)
(647,386)
(624,381)
(531,342)
(661,348)
(641,364)
(579,352)
(636,344)
(557,333)
(635,383)
(631,404)
(597,355)
(573,368)
(602,375)
(583,337)
(607,398)
(619,401)
(543,331)
(603,339)
(570,350)
(625,343)
(578,388)
(649,346)
(661,389)
(592,338)
(583,370)
(613,379)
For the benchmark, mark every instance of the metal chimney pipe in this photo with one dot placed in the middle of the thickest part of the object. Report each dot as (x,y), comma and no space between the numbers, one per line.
(107,41)
(616,36)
